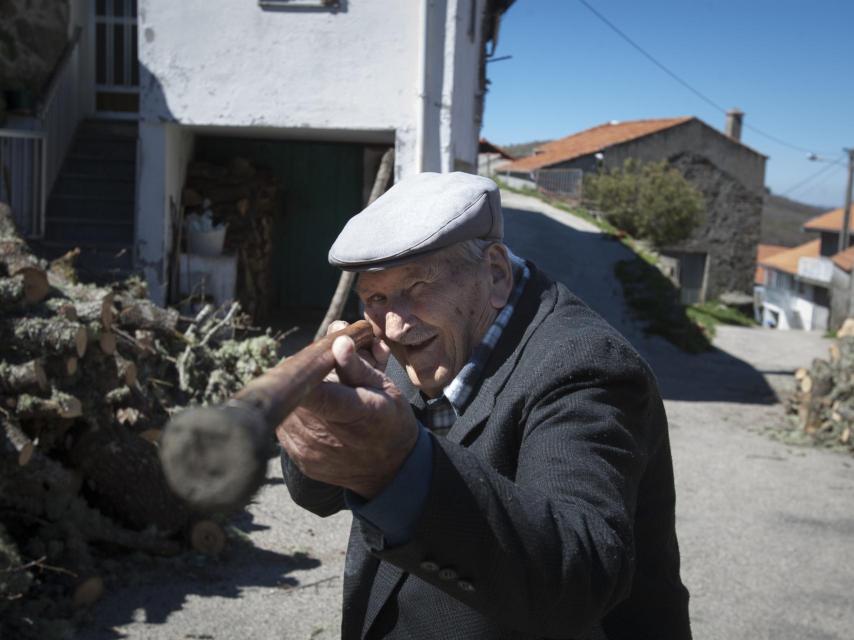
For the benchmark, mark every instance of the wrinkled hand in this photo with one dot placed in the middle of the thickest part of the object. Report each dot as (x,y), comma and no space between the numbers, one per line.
(356,428)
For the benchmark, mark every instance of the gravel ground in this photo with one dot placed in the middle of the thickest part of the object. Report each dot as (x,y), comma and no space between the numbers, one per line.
(766,530)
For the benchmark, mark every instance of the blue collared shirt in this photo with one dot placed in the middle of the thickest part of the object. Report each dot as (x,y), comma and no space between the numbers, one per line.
(395,510)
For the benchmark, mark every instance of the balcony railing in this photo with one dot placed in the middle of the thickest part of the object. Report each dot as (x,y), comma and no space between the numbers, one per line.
(30,160)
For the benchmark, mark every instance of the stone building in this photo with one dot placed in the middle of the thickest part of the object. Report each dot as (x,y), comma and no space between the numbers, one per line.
(720,255)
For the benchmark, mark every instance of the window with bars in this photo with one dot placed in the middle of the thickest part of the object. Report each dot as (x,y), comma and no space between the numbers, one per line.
(116,62)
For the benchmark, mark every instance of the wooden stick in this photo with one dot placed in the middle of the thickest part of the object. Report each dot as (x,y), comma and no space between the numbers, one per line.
(215,458)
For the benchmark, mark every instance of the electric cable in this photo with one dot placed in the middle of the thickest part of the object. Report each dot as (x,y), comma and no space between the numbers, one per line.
(685,83)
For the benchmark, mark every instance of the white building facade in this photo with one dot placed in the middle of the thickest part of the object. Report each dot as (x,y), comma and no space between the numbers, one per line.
(379,72)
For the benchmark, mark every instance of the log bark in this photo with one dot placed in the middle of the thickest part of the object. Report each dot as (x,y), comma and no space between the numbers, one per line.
(144,314)
(124,473)
(19,441)
(100,311)
(15,378)
(11,291)
(40,335)
(126,369)
(59,405)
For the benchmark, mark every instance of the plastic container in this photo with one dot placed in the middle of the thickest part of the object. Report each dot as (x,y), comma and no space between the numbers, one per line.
(206,243)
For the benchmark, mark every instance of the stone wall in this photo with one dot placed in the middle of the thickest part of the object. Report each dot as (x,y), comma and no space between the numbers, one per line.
(730,232)
(33,34)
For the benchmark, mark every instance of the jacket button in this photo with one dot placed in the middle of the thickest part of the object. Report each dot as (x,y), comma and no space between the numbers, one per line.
(429,566)
(448,574)
(466,586)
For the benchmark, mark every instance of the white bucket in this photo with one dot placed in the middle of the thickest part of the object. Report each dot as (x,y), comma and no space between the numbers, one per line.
(206,243)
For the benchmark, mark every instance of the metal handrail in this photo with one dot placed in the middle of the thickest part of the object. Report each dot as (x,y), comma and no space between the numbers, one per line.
(31,168)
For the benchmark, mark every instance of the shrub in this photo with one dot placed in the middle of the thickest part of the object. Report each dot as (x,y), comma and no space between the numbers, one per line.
(652,201)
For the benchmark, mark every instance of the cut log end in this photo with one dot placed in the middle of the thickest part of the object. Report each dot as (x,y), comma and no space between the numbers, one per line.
(107,342)
(88,592)
(36,287)
(26,454)
(207,537)
(81,340)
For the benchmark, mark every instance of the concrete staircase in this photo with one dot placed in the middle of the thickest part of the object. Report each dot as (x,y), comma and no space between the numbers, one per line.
(91,205)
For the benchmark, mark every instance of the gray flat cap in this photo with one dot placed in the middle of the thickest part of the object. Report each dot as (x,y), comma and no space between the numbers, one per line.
(420,214)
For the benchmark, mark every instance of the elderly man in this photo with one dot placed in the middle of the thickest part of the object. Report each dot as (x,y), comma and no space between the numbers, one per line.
(503,450)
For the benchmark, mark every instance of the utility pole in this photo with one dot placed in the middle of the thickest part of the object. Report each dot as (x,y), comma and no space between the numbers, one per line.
(846,212)
(846,221)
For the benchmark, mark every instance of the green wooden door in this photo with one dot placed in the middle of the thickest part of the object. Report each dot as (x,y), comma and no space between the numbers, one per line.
(321,187)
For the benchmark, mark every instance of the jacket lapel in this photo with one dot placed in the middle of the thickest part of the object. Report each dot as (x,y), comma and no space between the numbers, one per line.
(387,578)
(534,304)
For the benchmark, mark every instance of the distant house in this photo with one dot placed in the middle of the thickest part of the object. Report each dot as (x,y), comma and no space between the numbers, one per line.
(491,158)
(720,255)
(807,287)
(313,90)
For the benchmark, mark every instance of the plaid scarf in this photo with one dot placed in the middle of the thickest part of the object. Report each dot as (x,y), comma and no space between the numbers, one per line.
(441,412)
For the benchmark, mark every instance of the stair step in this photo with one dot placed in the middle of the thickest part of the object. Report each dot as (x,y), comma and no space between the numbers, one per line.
(91,232)
(104,148)
(108,128)
(98,167)
(101,209)
(97,189)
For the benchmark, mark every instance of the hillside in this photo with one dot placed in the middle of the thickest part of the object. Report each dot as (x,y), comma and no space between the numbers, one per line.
(783,218)
(522,149)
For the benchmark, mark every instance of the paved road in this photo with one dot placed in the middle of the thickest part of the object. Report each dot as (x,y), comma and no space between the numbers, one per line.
(766,530)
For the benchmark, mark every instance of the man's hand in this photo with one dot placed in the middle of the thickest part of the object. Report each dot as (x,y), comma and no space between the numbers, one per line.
(355,429)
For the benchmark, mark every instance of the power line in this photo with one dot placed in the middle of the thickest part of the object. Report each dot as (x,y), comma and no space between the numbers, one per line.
(685,83)
(813,176)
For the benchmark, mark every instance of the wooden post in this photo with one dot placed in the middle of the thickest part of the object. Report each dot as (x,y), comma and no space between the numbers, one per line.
(345,282)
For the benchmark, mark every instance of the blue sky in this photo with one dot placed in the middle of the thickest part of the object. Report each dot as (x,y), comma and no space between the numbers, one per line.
(788,64)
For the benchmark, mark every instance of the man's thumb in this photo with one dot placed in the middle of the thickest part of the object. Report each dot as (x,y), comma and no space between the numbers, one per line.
(352,369)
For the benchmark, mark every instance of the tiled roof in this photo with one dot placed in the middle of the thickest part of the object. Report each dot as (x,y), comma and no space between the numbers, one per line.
(764,251)
(845,260)
(591,141)
(830,221)
(787,260)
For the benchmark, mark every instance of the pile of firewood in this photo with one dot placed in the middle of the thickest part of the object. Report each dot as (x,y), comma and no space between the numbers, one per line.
(822,404)
(88,377)
(246,199)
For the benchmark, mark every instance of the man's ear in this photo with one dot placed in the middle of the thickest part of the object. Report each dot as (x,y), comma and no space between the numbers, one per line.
(500,275)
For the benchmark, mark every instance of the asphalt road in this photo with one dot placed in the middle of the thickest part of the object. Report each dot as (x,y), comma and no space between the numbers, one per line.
(766,530)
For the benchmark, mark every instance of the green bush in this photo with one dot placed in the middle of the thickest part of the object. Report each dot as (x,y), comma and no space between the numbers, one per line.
(652,201)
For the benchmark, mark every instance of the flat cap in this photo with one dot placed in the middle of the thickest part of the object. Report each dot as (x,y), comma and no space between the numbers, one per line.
(420,214)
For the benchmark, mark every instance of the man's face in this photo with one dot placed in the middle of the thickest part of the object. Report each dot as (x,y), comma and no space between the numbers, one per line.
(433,311)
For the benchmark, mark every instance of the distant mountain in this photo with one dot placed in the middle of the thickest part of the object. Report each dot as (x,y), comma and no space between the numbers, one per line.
(782,220)
(523,149)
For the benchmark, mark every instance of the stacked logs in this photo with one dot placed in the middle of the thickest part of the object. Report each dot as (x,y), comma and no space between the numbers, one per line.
(88,377)
(823,401)
(247,199)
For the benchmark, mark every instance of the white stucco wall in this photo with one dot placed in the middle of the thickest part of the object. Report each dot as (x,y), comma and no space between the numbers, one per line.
(220,62)
(402,70)
(162,156)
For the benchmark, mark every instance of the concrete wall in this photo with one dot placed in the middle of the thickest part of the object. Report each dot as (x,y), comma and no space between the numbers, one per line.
(163,153)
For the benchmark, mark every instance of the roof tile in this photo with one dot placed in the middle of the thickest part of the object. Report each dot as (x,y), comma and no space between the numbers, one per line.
(592,140)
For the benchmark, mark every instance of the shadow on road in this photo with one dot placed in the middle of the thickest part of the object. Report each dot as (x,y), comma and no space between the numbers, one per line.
(150,590)
(584,262)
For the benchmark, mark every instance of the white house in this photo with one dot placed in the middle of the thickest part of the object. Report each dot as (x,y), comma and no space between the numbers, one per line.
(335,74)
(315,90)
(806,287)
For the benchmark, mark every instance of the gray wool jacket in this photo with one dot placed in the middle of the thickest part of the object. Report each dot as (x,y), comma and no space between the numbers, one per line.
(551,508)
